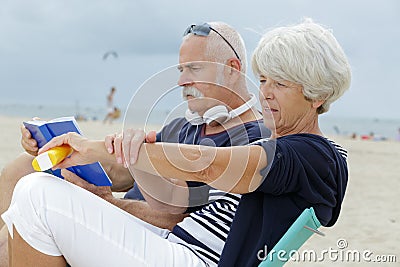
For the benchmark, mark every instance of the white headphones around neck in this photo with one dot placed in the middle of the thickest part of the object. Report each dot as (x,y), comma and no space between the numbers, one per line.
(219,113)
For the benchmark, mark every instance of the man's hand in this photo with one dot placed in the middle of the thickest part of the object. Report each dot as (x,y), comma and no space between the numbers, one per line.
(126,146)
(101,191)
(28,143)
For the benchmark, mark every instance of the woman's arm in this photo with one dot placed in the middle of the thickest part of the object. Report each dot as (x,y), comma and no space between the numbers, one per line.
(88,151)
(231,169)
(172,195)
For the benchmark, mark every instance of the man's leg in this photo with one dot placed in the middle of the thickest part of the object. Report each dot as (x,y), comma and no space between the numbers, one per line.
(10,175)
(31,257)
(3,247)
(61,219)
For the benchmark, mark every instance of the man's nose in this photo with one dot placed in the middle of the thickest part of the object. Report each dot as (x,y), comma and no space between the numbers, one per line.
(184,79)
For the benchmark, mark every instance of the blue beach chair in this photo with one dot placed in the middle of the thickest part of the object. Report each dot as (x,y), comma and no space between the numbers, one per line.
(305,226)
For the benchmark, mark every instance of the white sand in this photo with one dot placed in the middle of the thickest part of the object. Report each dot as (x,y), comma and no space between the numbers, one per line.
(370,218)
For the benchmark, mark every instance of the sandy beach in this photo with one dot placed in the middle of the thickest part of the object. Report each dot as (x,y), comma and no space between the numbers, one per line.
(370,219)
(369,225)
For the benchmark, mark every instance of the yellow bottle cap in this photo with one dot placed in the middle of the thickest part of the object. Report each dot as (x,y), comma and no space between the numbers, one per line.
(51,157)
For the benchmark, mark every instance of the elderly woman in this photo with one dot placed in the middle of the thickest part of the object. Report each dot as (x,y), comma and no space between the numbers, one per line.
(302,70)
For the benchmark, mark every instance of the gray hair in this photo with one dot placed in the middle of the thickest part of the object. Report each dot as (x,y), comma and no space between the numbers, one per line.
(305,54)
(219,50)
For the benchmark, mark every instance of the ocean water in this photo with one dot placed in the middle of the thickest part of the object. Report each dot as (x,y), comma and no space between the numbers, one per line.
(48,112)
(381,128)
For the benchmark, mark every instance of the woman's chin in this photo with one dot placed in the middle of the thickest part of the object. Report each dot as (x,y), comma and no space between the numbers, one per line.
(269,121)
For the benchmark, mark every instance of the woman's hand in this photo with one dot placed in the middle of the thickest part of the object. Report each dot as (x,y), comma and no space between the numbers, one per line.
(126,145)
(81,155)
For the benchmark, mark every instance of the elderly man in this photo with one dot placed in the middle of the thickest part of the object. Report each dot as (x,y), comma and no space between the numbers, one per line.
(220,113)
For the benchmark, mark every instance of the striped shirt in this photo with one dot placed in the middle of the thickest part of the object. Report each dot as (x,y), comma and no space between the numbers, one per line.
(339,148)
(205,231)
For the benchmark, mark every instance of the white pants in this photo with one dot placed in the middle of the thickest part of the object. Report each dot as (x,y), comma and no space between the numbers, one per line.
(58,218)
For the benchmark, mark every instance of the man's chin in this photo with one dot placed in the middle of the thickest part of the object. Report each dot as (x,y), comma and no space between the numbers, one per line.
(195,105)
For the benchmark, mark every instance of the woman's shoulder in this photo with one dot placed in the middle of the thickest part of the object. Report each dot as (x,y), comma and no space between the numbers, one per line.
(313,141)
(304,143)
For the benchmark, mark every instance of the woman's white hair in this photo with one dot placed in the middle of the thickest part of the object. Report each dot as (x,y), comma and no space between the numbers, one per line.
(305,54)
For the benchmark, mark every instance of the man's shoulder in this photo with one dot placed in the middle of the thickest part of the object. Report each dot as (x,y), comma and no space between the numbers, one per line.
(170,132)
(177,122)
(248,132)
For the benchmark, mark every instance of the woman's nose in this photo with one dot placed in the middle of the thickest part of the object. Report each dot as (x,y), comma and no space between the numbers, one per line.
(266,89)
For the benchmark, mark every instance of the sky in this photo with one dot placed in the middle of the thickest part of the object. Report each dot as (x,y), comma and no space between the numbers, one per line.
(51,51)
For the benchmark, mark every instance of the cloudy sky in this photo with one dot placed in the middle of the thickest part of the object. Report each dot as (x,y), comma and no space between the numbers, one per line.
(51,50)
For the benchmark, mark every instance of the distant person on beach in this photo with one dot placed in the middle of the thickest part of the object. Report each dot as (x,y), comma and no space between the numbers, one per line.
(301,69)
(373,137)
(113,112)
(242,129)
(398,135)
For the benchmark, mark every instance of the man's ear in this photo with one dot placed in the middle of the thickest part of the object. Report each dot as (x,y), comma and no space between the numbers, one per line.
(234,64)
(232,71)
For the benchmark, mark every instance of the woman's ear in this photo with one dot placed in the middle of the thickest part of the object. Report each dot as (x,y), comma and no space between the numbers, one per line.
(317,103)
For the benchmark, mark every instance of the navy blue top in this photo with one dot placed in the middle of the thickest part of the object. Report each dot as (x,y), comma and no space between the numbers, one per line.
(303,171)
(181,131)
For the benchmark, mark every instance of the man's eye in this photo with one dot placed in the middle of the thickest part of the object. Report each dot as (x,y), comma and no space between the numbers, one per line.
(263,80)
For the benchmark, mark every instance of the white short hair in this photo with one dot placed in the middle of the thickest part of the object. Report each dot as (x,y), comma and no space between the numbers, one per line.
(307,54)
(218,50)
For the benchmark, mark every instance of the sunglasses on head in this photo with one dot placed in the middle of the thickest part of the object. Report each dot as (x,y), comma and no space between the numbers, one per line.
(204,30)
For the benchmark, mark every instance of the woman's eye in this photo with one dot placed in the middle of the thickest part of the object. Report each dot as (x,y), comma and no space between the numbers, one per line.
(281,85)
(263,80)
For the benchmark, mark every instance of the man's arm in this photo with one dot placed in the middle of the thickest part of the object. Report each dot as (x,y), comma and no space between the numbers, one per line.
(139,209)
(165,195)
(145,212)
(122,179)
